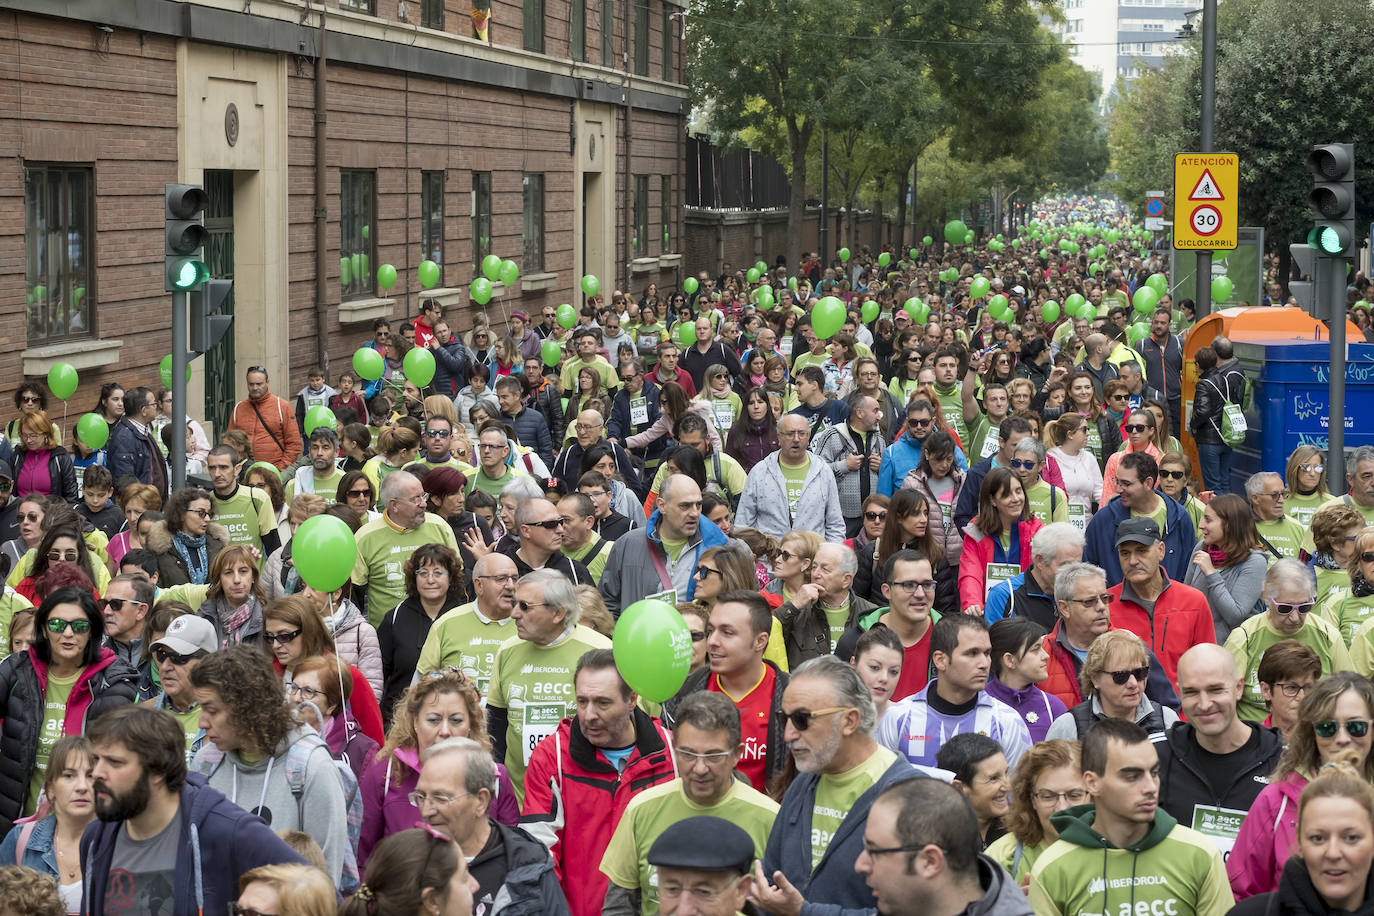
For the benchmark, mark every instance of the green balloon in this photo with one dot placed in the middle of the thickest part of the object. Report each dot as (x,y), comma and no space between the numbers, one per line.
(62,380)
(1159,283)
(510,272)
(93,430)
(1087,311)
(419,366)
(752,275)
(792,283)
(367,232)
(368,363)
(955,231)
(913,254)
(491,267)
(566,315)
(1050,312)
(844,254)
(685,333)
(551,352)
(1016,243)
(689,285)
(324,552)
(653,649)
(1044,253)
(869,310)
(827,317)
(1144,299)
(480,290)
(1221,289)
(968,237)
(761,267)
(345,272)
(979,287)
(164,371)
(591,285)
(926,240)
(386,276)
(1136,333)
(319,416)
(428,272)
(884,259)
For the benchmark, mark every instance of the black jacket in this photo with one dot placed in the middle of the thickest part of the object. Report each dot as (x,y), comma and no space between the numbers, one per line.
(550,403)
(450,368)
(1223,385)
(775,761)
(61,473)
(1182,784)
(575,571)
(695,363)
(1297,896)
(171,568)
(868,581)
(110,682)
(401,634)
(567,467)
(531,887)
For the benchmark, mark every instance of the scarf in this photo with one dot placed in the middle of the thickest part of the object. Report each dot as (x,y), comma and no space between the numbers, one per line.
(233,619)
(1218,556)
(1116,415)
(1325,561)
(758,381)
(192,550)
(1360,586)
(945,391)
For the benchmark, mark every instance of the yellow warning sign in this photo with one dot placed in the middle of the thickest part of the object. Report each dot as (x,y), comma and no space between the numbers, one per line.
(1205,189)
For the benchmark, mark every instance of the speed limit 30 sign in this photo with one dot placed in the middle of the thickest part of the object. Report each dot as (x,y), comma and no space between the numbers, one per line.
(1205,212)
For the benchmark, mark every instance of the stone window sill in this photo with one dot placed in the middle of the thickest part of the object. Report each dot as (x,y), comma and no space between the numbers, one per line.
(356,311)
(643,265)
(447,296)
(667,261)
(531,283)
(82,354)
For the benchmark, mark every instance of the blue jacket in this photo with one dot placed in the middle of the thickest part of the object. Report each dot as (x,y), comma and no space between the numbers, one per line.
(833,888)
(618,425)
(39,852)
(901,457)
(450,368)
(1180,539)
(132,454)
(219,842)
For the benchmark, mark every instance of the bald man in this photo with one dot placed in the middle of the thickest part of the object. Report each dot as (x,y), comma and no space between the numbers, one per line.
(1214,764)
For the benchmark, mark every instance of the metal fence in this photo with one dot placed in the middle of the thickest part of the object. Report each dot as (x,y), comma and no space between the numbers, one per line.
(737,179)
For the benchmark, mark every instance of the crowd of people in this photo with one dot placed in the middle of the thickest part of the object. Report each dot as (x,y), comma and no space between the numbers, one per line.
(970,631)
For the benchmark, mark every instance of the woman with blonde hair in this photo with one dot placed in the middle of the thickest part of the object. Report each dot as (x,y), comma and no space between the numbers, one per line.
(1350,610)
(730,568)
(42,467)
(441,705)
(1113,679)
(1306,479)
(1082,474)
(1048,780)
(1335,530)
(792,564)
(285,890)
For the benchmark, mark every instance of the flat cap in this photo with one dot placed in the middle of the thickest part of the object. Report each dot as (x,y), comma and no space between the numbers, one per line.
(705,843)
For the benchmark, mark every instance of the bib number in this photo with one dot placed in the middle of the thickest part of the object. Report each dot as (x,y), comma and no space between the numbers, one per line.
(1220,825)
(639,410)
(1078,516)
(990,445)
(724,414)
(667,596)
(540,721)
(1000,572)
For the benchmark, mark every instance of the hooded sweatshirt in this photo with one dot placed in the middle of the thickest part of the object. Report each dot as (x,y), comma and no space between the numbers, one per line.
(263,789)
(1172,870)
(1297,896)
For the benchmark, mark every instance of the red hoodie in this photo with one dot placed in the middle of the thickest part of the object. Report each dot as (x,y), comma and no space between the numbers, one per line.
(74,722)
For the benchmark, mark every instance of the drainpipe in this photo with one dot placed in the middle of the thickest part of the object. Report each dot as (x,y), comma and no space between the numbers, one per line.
(321,210)
(628,226)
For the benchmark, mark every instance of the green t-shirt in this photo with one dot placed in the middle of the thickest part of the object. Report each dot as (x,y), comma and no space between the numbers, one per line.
(808,359)
(837,618)
(1094,442)
(534,684)
(653,811)
(382,553)
(1348,612)
(795,478)
(1332,584)
(732,475)
(1284,534)
(490,485)
(1307,543)
(465,639)
(596,564)
(1048,503)
(54,727)
(568,376)
(724,410)
(1003,851)
(248,515)
(328,488)
(674,547)
(1160,515)
(1302,508)
(953,405)
(983,437)
(836,794)
(1248,642)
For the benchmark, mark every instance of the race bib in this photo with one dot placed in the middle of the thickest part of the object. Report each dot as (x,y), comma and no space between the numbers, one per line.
(540,721)
(1220,825)
(990,446)
(1000,572)
(785,345)
(639,410)
(1078,516)
(724,414)
(648,342)
(667,596)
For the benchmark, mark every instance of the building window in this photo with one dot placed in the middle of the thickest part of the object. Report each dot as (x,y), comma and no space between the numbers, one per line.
(640,241)
(432,14)
(58,279)
(608,33)
(534,25)
(667,43)
(360,6)
(481,218)
(578,30)
(665,211)
(357,241)
(533,206)
(642,37)
(432,219)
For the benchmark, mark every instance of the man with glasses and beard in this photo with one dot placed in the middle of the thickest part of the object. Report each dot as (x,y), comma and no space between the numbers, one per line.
(322,475)
(140,857)
(902,456)
(830,725)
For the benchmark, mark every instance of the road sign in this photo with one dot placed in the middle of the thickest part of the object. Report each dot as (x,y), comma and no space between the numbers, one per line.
(1154,224)
(1205,190)
(1154,207)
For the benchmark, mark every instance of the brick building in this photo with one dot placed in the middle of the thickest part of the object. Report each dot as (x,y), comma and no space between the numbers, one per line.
(552,137)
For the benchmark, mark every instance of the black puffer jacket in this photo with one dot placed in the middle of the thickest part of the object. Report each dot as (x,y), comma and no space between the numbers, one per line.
(101,687)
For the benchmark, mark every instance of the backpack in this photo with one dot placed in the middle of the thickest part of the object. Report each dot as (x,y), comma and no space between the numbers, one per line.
(1233,426)
(297,763)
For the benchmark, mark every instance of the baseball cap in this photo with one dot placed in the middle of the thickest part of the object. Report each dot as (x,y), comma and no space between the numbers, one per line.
(189,634)
(1139,530)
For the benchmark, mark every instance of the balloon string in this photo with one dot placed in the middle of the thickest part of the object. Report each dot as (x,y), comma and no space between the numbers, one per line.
(64,419)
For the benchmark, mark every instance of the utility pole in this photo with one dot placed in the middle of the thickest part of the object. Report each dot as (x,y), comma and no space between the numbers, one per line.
(1209,105)
(823,231)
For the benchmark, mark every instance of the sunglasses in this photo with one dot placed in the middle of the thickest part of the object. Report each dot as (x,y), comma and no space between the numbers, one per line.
(30,399)
(801,718)
(1171,475)
(704,572)
(1367,556)
(1355,728)
(438,433)
(915,423)
(363,492)
(29,517)
(552,524)
(1119,678)
(117,604)
(1018,465)
(57,626)
(162,655)
(875,516)
(698,635)
(1136,428)
(281,638)
(1313,468)
(1285,609)
(57,556)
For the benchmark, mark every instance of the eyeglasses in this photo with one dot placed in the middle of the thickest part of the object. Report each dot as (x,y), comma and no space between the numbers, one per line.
(875,516)
(1277,494)
(1285,609)
(1103,599)
(281,638)
(914,585)
(1312,468)
(57,626)
(117,604)
(438,433)
(1291,690)
(525,606)
(704,572)
(203,513)
(57,556)
(1137,428)
(431,572)
(162,655)
(708,759)
(365,491)
(552,524)
(1355,728)
(875,851)
(587,427)
(508,577)
(629,378)
(491,446)
(1170,475)
(308,693)
(1119,678)
(801,718)
(1018,465)
(1049,797)
(437,799)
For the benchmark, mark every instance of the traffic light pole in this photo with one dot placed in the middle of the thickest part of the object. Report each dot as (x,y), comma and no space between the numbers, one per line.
(1209,103)
(179,390)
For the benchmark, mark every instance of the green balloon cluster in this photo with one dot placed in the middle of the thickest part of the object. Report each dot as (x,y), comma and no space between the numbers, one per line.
(1159,283)
(1144,300)
(979,287)
(491,267)
(1050,312)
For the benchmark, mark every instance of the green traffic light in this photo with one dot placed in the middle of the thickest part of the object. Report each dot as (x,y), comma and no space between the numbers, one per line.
(187,273)
(1329,240)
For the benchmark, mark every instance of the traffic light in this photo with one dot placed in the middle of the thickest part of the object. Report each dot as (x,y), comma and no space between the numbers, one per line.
(1332,198)
(207,326)
(184,237)
(1308,292)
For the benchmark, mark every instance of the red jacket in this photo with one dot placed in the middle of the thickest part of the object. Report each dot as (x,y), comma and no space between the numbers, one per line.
(276,438)
(978,553)
(1182,619)
(1063,667)
(570,782)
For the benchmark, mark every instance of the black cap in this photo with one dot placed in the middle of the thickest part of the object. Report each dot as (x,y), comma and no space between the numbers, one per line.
(1141,530)
(5,470)
(704,843)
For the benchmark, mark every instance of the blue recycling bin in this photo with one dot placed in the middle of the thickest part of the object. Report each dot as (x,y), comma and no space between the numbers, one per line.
(1291,405)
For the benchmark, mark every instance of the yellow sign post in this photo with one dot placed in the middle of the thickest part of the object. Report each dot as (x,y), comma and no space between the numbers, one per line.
(1205,190)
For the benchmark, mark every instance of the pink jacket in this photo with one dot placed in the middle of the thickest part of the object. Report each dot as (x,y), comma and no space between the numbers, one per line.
(978,553)
(1266,838)
(1114,460)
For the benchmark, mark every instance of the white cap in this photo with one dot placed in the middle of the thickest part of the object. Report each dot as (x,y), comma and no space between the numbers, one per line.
(189,634)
